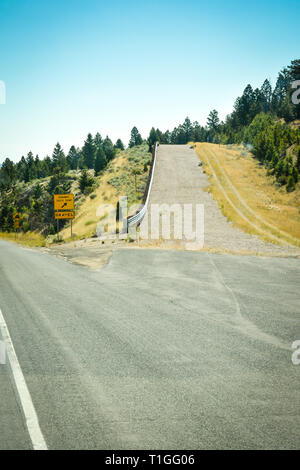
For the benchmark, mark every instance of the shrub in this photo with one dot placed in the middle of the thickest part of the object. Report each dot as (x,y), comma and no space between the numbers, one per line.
(26,227)
(52,230)
(85,181)
(290,184)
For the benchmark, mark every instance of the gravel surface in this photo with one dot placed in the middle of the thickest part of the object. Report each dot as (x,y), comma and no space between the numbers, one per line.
(178,179)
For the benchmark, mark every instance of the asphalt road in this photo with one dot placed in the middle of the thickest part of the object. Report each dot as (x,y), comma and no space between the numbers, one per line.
(158,350)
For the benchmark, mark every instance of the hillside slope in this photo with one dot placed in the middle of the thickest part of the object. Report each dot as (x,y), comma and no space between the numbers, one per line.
(249,197)
(125,175)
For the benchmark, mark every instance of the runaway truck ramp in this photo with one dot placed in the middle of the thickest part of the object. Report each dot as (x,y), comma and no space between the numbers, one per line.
(178,179)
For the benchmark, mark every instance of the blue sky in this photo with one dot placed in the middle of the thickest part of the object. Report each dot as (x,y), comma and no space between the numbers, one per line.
(78,66)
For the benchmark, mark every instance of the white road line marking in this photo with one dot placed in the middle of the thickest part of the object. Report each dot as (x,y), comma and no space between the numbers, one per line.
(32,422)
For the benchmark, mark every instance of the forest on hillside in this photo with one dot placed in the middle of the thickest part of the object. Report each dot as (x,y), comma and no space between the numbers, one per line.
(264,119)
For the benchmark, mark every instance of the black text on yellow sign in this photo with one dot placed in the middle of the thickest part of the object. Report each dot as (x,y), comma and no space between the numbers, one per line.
(64,215)
(64,202)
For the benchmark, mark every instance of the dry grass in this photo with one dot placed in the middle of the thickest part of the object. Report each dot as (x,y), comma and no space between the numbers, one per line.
(248,196)
(86,220)
(31,239)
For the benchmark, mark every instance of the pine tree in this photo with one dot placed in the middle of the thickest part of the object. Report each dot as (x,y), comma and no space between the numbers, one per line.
(100,161)
(213,120)
(109,149)
(59,159)
(73,157)
(188,129)
(119,145)
(135,138)
(88,152)
(266,93)
(166,139)
(152,138)
(30,167)
(98,141)
(8,174)
(85,182)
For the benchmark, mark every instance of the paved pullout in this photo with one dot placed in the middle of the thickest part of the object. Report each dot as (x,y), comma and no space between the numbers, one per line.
(159,349)
(178,179)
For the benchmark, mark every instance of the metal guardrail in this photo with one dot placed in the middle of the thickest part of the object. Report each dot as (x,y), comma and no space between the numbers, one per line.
(137,218)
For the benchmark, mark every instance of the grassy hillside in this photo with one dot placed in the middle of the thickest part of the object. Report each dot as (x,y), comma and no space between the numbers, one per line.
(249,195)
(125,175)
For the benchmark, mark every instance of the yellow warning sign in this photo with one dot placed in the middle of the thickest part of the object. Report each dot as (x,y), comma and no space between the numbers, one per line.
(17,216)
(64,202)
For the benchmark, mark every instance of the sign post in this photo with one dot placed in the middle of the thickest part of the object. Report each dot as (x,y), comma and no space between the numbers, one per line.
(64,208)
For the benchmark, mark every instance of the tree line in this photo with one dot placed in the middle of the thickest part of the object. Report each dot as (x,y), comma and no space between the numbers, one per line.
(261,119)
(21,188)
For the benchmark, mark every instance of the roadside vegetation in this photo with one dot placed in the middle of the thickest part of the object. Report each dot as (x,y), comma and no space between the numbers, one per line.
(126,175)
(263,119)
(29,239)
(99,167)
(247,195)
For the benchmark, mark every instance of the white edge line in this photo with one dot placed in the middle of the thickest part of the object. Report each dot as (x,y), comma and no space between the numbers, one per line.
(31,419)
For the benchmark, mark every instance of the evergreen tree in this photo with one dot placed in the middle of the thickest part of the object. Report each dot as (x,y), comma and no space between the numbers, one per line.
(135,138)
(8,174)
(30,167)
(152,138)
(109,149)
(59,158)
(266,95)
(73,158)
(38,191)
(119,145)
(85,182)
(213,124)
(100,161)
(166,137)
(88,152)
(98,141)
(188,129)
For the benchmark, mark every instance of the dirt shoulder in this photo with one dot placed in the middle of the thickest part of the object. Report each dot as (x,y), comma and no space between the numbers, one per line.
(90,252)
